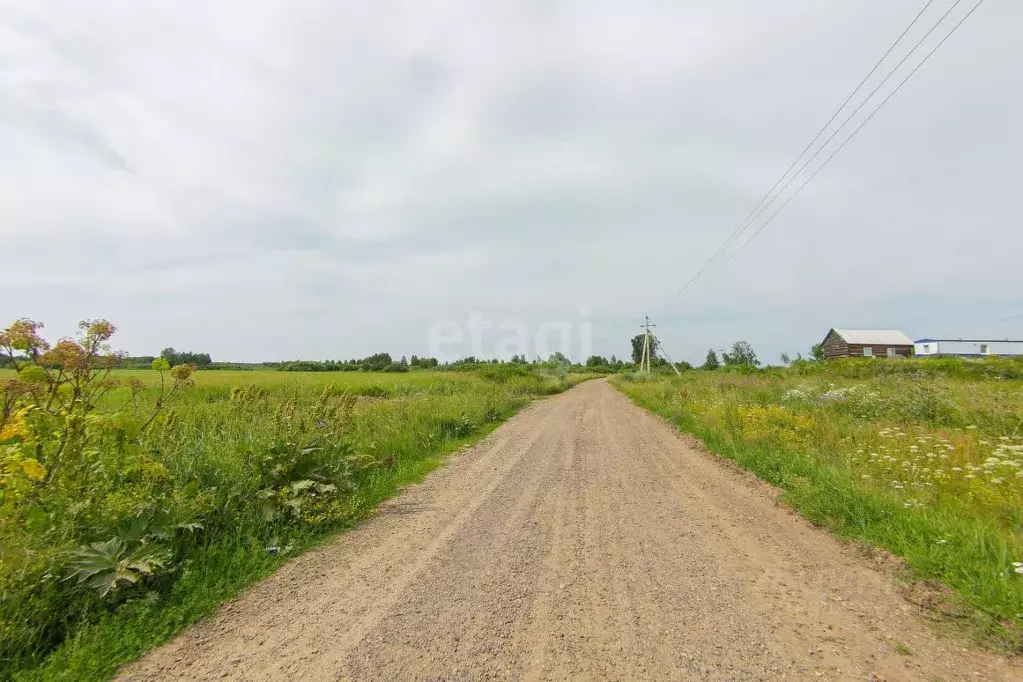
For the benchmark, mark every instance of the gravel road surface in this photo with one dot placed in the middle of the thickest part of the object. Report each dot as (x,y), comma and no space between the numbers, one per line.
(584,539)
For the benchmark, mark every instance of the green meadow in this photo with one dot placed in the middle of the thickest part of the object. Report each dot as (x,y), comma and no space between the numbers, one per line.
(130,514)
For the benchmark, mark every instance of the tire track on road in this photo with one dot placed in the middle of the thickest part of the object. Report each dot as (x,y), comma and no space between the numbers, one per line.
(584,539)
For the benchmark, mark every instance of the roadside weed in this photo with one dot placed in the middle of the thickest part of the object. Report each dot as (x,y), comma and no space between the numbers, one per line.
(923,459)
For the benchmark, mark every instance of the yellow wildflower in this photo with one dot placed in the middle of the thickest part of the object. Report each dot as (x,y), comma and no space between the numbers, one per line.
(33,469)
(15,427)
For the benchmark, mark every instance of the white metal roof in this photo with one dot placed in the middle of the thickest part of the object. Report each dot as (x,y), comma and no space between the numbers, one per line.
(969,341)
(880,337)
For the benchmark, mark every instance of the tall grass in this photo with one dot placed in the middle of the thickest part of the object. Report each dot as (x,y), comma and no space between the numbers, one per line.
(146,531)
(923,459)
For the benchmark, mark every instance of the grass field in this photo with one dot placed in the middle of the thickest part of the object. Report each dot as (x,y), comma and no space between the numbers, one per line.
(922,457)
(110,545)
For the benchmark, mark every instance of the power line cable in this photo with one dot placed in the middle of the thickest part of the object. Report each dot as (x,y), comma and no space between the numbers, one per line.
(771,196)
(750,216)
(851,136)
(958,331)
(994,322)
(846,121)
(855,111)
(1004,319)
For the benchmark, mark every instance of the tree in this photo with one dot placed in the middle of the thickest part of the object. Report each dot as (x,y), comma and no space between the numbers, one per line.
(711,363)
(637,348)
(559,358)
(742,355)
(596,361)
(785,359)
(175,358)
(377,362)
(817,351)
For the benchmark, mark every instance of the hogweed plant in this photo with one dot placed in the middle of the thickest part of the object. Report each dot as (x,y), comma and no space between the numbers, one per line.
(58,450)
(47,418)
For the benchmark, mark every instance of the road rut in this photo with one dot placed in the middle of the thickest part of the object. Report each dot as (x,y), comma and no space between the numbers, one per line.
(583,539)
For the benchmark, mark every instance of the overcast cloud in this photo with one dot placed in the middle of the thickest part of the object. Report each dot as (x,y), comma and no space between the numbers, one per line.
(312,178)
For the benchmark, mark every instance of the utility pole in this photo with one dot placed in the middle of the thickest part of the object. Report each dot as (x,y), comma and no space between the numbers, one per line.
(647,325)
(648,348)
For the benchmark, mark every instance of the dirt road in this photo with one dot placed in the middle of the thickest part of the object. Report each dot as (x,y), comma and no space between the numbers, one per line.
(583,539)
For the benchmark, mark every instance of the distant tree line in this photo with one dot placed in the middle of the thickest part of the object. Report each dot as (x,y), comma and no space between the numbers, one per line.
(378,362)
(173,357)
(383,362)
(135,362)
(200,360)
(741,355)
(470,361)
(598,363)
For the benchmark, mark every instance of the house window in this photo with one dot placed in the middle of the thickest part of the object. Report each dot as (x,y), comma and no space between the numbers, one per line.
(891,352)
(868,352)
(927,348)
(983,349)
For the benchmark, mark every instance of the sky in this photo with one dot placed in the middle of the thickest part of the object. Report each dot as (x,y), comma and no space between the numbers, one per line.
(327,179)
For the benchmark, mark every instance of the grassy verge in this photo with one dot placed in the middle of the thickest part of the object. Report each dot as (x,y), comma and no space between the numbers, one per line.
(227,485)
(926,464)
